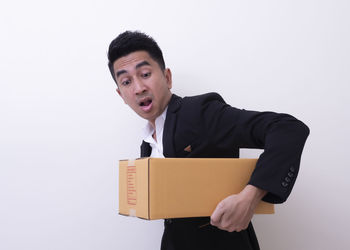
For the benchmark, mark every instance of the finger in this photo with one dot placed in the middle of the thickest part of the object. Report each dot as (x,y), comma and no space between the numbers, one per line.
(215,218)
(234,225)
(226,223)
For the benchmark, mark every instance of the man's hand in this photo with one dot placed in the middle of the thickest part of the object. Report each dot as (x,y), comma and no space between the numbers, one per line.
(236,211)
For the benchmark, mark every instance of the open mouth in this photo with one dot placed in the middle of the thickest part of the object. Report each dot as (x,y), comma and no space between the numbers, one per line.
(146,104)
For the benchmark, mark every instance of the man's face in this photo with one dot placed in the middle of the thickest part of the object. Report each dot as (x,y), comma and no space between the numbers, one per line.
(142,84)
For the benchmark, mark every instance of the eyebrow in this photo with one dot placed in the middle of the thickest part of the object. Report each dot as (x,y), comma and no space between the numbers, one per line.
(120,72)
(142,64)
(139,65)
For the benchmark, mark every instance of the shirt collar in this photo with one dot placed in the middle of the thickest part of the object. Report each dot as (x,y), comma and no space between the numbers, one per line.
(148,130)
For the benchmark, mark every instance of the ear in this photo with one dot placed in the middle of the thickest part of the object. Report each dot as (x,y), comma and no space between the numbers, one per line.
(167,73)
(120,94)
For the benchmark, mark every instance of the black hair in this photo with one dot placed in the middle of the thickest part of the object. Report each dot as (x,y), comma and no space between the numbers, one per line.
(132,41)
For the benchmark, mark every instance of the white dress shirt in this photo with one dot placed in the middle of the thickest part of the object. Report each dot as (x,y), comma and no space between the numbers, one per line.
(157,146)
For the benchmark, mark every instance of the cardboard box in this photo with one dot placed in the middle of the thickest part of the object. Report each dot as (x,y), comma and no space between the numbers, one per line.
(155,188)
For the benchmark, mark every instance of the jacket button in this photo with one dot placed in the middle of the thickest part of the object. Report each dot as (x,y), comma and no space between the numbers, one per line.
(284,184)
(287,179)
(292,169)
(290,174)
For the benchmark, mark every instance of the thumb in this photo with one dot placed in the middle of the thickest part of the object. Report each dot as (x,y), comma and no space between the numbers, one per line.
(217,214)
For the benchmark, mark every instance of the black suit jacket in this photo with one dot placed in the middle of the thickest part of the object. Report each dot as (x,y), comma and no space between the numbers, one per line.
(217,130)
(214,129)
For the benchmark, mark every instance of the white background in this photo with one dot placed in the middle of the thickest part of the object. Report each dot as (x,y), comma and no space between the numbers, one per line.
(63,128)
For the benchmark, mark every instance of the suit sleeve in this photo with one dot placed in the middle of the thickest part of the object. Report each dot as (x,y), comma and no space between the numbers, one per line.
(280,135)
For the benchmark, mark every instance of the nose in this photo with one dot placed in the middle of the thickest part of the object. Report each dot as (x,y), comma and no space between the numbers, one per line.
(139,87)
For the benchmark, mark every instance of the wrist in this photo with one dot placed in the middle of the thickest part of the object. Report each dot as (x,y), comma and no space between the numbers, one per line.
(253,193)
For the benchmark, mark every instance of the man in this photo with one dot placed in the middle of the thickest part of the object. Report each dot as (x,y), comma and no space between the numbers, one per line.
(205,126)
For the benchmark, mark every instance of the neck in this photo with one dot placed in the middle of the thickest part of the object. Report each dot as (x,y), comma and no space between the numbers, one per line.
(154,135)
(153,124)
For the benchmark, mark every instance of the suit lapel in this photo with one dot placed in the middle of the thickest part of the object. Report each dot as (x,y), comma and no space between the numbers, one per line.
(170,126)
(146,149)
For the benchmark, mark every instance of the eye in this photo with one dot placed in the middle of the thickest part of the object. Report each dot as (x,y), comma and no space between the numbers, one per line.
(126,82)
(146,75)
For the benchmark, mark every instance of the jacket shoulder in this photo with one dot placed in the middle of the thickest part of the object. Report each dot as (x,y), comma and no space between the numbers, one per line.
(202,99)
(196,108)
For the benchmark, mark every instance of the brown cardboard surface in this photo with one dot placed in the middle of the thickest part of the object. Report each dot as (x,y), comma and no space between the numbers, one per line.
(155,188)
